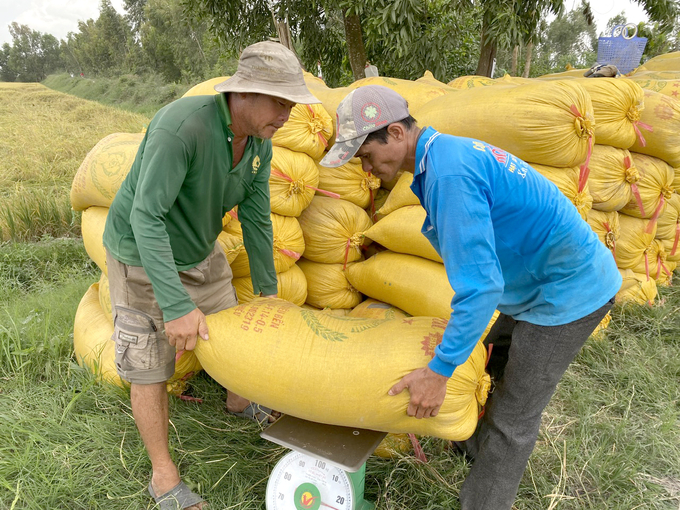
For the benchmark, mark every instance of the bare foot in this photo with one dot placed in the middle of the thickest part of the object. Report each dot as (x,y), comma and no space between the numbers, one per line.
(237,404)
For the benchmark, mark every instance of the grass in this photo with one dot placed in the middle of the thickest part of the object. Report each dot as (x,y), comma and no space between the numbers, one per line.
(45,136)
(610,437)
(140,94)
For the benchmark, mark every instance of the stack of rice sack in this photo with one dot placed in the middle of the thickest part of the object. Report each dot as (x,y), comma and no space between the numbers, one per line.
(628,169)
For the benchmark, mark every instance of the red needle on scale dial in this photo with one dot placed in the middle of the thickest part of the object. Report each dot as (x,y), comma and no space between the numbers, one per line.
(329,506)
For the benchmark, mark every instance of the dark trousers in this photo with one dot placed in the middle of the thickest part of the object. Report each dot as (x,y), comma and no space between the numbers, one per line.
(527,362)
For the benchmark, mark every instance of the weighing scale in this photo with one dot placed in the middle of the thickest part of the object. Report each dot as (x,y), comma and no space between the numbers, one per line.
(326,469)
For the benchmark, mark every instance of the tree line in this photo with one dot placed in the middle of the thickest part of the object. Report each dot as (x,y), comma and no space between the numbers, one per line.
(193,40)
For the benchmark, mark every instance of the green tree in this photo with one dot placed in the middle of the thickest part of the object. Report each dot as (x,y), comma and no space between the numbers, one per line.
(6,72)
(32,56)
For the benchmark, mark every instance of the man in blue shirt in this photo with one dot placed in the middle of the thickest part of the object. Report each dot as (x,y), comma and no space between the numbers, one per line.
(510,241)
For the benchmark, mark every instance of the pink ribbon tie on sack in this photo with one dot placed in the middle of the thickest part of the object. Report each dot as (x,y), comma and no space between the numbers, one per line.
(585,168)
(677,238)
(647,266)
(649,128)
(655,216)
(278,173)
(638,198)
(292,254)
(324,142)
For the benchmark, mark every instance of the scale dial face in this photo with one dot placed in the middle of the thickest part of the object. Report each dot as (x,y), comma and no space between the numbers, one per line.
(301,482)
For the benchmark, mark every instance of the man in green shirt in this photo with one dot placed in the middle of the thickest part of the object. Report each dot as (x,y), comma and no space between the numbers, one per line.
(200,157)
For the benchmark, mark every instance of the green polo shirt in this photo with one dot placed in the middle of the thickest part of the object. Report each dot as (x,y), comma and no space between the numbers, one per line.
(168,212)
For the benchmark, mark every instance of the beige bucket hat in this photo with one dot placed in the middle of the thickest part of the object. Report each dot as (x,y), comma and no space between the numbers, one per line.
(269,68)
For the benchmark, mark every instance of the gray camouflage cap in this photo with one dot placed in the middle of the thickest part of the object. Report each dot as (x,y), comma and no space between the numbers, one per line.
(269,68)
(364,110)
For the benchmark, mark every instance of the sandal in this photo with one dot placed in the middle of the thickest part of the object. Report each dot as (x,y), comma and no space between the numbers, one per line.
(177,498)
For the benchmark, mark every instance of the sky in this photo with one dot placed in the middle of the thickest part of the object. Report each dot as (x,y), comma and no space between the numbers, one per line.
(59,17)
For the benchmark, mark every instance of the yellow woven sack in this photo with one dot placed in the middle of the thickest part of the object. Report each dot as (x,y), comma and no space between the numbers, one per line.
(416,285)
(613,178)
(338,370)
(665,62)
(289,245)
(401,195)
(571,183)
(307,130)
(665,277)
(656,179)
(293,180)
(104,294)
(470,82)
(327,285)
(636,236)
(231,244)
(550,123)
(400,231)
(664,83)
(607,227)
(92,226)
(103,170)
(291,286)
(374,309)
(330,97)
(416,93)
(668,229)
(569,73)
(676,179)
(349,182)
(333,230)
(662,113)
(428,79)
(636,288)
(668,225)
(653,260)
(93,348)
(617,105)
(206,88)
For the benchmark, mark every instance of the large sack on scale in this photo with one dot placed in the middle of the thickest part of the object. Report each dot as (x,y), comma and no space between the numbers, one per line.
(292,183)
(400,232)
(338,370)
(333,230)
(103,170)
(291,286)
(571,183)
(307,130)
(613,178)
(327,285)
(289,244)
(550,123)
(656,179)
(374,309)
(414,284)
(349,182)
(662,113)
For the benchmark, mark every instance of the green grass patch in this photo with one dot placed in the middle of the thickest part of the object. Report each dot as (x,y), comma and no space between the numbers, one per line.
(610,438)
(45,137)
(140,94)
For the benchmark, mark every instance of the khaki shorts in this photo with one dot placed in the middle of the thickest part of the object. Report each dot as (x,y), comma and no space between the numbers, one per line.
(143,353)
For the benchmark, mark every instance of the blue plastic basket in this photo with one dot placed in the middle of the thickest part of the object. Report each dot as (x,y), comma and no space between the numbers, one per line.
(621,49)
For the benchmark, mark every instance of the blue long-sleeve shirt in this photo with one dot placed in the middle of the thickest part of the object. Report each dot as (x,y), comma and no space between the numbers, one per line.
(509,239)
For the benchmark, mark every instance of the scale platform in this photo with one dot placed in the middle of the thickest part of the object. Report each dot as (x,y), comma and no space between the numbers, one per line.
(346,447)
(326,469)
